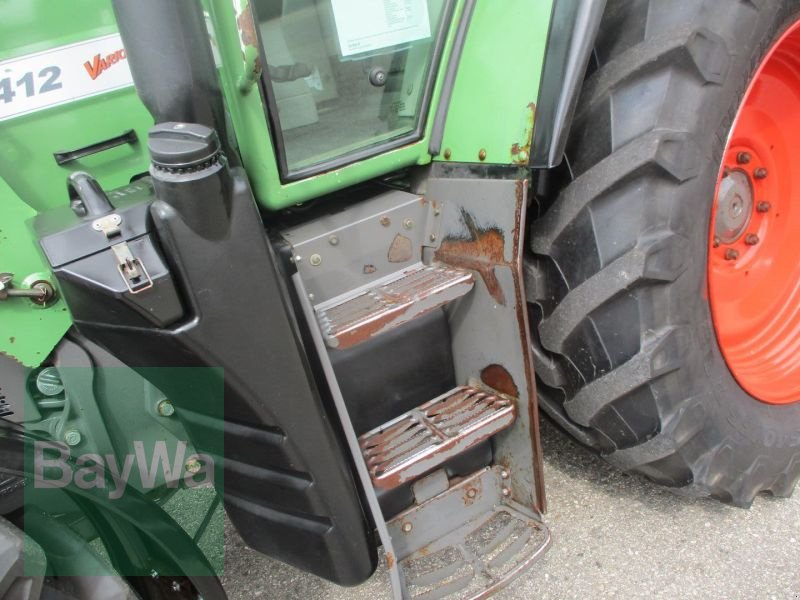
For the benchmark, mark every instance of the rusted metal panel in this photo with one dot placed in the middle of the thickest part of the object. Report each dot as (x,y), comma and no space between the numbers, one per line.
(483,215)
(359,316)
(422,439)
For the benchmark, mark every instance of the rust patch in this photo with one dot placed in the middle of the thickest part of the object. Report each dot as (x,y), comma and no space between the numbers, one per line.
(369,269)
(482,251)
(472,493)
(247,27)
(401,249)
(498,378)
(389,560)
(520,153)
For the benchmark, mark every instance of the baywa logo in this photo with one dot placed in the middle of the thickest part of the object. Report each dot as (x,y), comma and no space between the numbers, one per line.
(52,468)
(98,65)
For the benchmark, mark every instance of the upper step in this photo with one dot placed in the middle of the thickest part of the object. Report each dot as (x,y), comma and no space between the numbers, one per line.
(361,314)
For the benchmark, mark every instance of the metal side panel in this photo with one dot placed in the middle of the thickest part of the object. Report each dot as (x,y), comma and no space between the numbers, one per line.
(483,213)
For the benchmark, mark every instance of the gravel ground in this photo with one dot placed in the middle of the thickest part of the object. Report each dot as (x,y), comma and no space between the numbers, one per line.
(614,536)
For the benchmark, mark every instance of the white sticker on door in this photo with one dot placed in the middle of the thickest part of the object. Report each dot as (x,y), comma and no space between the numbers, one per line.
(65,74)
(368,25)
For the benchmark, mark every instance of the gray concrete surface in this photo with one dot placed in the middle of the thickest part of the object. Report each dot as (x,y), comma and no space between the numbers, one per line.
(615,536)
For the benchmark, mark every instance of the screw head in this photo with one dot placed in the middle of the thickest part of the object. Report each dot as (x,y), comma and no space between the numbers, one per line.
(433,237)
(504,474)
(165,408)
(315,260)
(407,527)
(760,173)
(448,153)
(48,382)
(743,158)
(506,492)
(731,254)
(482,154)
(471,493)
(73,437)
(193,466)
(763,207)
(751,239)
(333,240)
(408,224)
(716,242)
(385,221)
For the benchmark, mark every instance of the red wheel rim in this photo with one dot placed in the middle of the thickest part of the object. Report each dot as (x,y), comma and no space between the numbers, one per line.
(754,254)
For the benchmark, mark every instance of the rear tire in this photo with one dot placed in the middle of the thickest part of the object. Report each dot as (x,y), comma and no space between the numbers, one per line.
(626,354)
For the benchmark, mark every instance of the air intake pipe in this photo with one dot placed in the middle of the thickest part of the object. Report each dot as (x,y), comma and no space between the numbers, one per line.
(169,53)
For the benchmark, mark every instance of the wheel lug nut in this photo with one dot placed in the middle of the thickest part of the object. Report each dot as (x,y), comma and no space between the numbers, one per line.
(743,158)
(731,254)
(716,242)
(763,207)
(760,173)
(751,239)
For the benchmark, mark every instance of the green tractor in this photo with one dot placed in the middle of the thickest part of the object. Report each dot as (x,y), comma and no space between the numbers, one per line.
(330,257)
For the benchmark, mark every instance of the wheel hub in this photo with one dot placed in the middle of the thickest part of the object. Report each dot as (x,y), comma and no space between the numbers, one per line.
(734,206)
(754,254)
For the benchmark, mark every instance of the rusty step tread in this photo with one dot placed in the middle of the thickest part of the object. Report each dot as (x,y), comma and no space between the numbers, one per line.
(403,296)
(409,446)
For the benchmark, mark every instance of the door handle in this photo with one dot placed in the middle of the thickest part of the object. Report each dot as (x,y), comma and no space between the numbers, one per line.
(65,156)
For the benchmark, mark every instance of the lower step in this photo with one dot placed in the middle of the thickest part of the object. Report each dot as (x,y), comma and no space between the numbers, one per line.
(467,542)
(424,438)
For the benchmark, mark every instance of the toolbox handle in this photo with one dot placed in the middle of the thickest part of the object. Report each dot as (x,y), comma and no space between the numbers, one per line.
(65,156)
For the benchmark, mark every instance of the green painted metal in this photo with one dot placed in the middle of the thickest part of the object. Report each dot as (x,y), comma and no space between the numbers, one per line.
(29,141)
(27,332)
(491,113)
(30,179)
(252,130)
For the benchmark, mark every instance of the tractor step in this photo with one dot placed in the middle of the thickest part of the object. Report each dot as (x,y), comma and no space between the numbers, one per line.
(420,440)
(361,314)
(467,542)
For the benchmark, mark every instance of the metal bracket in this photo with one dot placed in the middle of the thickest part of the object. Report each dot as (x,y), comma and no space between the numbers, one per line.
(131,269)
(109,225)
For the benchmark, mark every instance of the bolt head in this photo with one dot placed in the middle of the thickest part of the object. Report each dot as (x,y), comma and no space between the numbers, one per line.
(48,382)
(333,240)
(448,153)
(315,260)
(716,242)
(743,158)
(760,173)
(433,237)
(471,493)
(408,224)
(504,474)
(165,408)
(73,437)
(193,466)
(731,254)
(763,207)
(506,492)
(482,154)
(751,239)
(407,527)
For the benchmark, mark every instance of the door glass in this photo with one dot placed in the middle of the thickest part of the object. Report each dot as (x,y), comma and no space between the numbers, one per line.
(347,78)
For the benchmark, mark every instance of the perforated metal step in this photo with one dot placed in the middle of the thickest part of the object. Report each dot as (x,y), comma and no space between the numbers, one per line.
(358,316)
(467,542)
(428,436)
